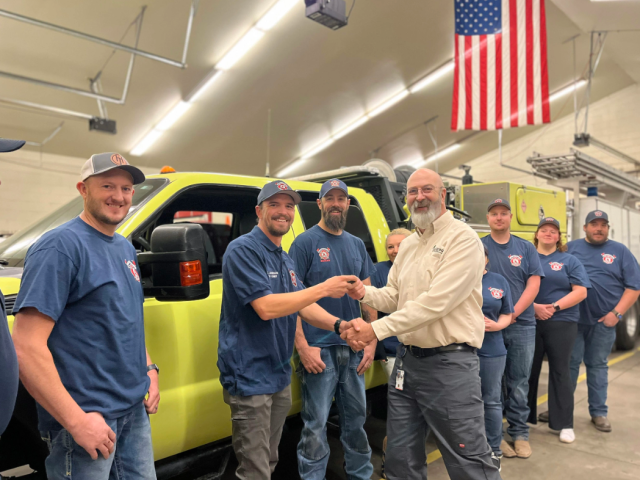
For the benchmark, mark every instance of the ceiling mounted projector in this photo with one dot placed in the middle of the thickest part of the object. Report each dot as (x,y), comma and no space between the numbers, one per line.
(330,13)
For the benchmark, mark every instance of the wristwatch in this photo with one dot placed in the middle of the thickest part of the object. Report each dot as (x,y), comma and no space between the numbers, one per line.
(555,306)
(336,326)
(615,312)
(153,366)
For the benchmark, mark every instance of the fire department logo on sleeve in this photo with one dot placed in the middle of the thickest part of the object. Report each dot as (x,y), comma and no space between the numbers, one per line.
(335,183)
(608,258)
(496,292)
(516,260)
(556,266)
(294,280)
(324,254)
(132,267)
(282,186)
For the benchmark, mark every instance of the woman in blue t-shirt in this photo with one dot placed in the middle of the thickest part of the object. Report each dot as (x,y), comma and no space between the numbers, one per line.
(562,288)
(497,309)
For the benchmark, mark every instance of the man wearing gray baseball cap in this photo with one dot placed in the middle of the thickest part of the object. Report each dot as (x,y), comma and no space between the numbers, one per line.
(79,335)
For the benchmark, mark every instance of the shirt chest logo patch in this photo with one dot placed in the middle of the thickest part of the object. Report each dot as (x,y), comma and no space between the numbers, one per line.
(516,260)
(496,292)
(132,268)
(608,258)
(437,250)
(324,254)
(294,280)
(556,266)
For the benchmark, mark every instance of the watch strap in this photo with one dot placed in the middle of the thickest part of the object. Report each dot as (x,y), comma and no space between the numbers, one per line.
(336,326)
(556,307)
(615,312)
(153,366)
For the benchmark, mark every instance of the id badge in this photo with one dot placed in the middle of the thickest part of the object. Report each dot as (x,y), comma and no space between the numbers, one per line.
(399,379)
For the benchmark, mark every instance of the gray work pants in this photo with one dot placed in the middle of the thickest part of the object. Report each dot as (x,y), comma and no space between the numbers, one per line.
(441,393)
(257,422)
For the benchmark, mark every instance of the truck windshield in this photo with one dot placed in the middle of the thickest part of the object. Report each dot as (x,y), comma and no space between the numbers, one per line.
(14,249)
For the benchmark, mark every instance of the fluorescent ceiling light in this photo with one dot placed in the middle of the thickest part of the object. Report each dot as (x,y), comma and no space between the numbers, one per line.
(204,85)
(275,14)
(174,114)
(567,90)
(441,153)
(350,128)
(432,77)
(317,149)
(389,103)
(290,168)
(239,49)
(148,140)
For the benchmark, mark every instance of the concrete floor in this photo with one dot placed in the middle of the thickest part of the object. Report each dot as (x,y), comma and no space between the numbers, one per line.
(593,456)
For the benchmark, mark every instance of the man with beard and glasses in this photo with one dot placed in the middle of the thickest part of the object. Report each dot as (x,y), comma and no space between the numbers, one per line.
(79,335)
(434,300)
(615,286)
(262,297)
(328,367)
(518,261)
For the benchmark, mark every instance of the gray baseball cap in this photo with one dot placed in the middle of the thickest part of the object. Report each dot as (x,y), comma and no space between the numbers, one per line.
(275,188)
(596,215)
(499,202)
(103,162)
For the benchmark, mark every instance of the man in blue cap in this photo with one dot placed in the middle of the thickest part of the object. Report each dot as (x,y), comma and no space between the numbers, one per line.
(615,286)
(329,368)
(261,300)
(8,360)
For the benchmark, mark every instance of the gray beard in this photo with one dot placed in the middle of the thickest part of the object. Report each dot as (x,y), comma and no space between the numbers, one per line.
(423,219)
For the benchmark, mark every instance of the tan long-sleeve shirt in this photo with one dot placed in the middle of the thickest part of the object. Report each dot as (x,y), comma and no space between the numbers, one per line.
(434,290)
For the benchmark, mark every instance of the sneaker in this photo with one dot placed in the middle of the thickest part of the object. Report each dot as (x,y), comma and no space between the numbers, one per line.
(544,417)
(496,461)
(523,448)
(601,423)
(567,435)
(507,450)
(384,452)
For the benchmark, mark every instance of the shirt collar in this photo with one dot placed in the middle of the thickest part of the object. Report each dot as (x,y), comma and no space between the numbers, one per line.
(440,223)
(259,235)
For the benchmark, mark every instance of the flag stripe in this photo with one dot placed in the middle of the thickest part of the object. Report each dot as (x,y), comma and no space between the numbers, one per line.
(506,64)
(468,87)
(454,108)
(522,63)
(483,82)
(475,86)
(529,58)
(462,92)
(498,81)
(544,81)
(515,84)
(491,82)
(537,92)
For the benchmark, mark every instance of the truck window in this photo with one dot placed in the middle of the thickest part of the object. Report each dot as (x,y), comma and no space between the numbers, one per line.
(356,223)
(224,212)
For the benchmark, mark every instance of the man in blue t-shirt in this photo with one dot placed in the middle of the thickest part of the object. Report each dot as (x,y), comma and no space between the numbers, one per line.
(615,286)
(329,368)
(8,359)
(79,335)
(262,297)
(517,261)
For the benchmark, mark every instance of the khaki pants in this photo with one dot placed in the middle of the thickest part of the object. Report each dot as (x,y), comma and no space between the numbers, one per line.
(257,423)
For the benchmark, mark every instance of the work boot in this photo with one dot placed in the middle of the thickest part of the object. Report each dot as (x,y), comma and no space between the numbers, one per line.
(496,460)
(507,451)
(601,423)
(544,417)
(384,454)
(523,449)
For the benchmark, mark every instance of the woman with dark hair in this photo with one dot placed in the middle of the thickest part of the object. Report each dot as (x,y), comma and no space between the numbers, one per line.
(562,288)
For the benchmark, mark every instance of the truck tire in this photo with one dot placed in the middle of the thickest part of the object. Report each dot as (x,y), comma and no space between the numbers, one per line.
(627,329)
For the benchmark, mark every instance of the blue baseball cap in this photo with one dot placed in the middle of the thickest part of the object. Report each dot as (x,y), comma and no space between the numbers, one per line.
(596,215)
(549,221)
(331,184)
(501,202)
(276,187)
(7,145)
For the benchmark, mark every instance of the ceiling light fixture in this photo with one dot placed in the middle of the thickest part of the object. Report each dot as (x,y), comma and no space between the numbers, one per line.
(351,127)
(204,85)
(172,117)
(144,144)
(317,149)
(290,168)
(388,103)
(239,49)
(275,14)
(432,77)
(567,90)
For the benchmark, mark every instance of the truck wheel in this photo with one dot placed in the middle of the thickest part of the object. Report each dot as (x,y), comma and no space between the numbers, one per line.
(627,329)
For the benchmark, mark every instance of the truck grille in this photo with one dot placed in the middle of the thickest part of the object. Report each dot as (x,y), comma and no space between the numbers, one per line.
(9,302)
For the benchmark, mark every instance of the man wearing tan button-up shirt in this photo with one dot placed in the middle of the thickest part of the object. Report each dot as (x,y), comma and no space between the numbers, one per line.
(434,298)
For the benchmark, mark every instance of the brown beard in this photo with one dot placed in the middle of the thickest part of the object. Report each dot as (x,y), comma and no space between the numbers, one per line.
(332,223)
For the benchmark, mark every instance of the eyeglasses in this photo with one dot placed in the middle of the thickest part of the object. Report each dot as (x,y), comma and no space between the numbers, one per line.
(426,190)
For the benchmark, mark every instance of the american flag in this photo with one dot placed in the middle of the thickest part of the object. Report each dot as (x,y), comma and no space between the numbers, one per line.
(500,78)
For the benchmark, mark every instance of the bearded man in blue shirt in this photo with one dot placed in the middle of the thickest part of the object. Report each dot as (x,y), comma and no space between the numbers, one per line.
(615,286)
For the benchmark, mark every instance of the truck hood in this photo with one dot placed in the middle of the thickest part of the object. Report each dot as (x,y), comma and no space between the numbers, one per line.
(10,280)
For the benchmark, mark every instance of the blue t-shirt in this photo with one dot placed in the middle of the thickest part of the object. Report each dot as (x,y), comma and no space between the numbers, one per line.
(379,280)
(516,260)
(88,283)
(8,370)
(320,255)
(496,301)
(254,355)
(561,271)
(612,269)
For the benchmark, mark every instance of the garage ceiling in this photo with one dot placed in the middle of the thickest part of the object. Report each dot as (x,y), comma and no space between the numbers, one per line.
(313,79)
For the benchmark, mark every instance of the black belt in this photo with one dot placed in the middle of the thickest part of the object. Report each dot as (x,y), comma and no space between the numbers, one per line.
(430,352)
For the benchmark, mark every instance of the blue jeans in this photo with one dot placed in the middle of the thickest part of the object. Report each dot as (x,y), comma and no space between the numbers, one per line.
(520,341)
(594,344)
(491,371)
(340,380)
(132,458)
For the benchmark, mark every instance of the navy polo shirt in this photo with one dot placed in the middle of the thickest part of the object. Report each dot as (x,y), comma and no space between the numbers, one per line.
(319,256)
(379,280)
(254,355)
(516,260)
(561,271)
(612,269)
(8,371)
(496,301)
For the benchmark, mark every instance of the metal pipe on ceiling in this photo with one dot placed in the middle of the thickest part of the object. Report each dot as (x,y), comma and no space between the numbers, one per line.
(46,108)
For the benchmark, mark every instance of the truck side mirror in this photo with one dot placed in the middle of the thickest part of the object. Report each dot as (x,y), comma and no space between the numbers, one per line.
(176,264)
